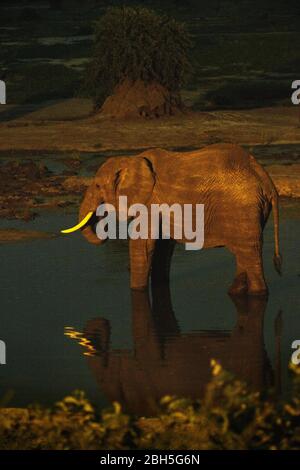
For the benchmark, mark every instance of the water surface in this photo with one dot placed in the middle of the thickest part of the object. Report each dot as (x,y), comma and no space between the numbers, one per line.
(142,351)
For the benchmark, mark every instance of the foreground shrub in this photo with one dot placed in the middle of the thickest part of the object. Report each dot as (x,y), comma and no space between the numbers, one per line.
(228,417)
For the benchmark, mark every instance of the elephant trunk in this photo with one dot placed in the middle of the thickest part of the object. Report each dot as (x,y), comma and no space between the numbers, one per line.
(90,235)
(90,204)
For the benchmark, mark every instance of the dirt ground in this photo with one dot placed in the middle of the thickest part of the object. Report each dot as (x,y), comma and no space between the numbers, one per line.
(27,186)
(69,126)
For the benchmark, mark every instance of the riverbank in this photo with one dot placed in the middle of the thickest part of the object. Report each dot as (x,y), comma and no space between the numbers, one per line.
(68,126)
(64,135)
(28,186)
(229,416)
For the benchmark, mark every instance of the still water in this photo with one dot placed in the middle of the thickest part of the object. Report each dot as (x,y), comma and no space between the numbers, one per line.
(139,346)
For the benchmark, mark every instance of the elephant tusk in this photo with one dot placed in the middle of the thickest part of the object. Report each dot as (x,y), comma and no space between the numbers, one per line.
(78,226)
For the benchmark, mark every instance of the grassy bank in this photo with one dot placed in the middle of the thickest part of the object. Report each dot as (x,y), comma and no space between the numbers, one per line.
(42,128)
(229,416)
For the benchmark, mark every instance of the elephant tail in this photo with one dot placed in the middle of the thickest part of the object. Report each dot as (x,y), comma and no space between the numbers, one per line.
(277,259)
(271,190)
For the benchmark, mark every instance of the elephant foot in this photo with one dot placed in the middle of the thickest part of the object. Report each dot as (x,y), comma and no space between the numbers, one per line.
(259,293)
(239,285)
(139,288)
(257,286)
(139,280)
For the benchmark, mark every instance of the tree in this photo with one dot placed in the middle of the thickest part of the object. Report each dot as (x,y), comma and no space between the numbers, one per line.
(139,64)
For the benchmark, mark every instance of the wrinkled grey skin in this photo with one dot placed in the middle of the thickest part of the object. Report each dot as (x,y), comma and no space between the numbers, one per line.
(236,191)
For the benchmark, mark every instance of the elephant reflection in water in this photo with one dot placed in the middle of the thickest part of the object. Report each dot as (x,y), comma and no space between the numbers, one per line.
(164,361)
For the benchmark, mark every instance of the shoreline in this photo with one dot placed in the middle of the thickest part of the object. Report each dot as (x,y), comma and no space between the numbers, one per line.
(30,141)
(34,131)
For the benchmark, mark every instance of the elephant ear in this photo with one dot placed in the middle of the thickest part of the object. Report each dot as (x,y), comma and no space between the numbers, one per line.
(136,180)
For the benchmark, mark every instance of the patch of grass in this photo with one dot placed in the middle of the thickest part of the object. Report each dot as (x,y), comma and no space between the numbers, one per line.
(241,53)
(40,82)
(54,51)
(247,94)
(229,416)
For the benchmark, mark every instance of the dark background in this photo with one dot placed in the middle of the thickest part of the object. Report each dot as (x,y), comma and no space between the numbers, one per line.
(245,54)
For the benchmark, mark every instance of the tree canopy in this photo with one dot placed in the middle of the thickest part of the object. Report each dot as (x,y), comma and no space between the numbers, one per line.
(136,43)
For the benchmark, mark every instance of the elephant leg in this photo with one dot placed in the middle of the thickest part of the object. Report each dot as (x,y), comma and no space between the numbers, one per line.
(140,254)
(239,285)
(249,261)
(255,277)
(161,261)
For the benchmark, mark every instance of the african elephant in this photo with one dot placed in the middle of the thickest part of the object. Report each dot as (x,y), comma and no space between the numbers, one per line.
(165,361)
(236,191)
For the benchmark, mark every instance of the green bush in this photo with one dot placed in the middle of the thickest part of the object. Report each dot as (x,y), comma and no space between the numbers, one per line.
(228,417)
(136,43)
